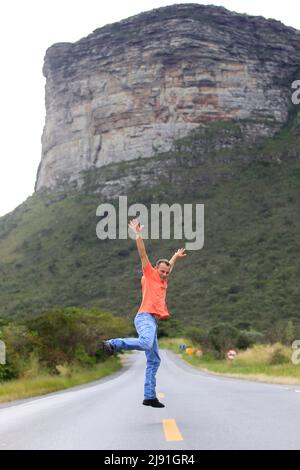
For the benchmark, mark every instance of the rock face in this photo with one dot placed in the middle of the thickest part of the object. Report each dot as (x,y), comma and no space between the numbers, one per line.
(129,88)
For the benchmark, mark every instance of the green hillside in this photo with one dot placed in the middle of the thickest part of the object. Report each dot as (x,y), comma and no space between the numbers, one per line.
(247,274)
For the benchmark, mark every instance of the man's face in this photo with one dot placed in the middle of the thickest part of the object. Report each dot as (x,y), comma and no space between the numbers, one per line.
(163,271)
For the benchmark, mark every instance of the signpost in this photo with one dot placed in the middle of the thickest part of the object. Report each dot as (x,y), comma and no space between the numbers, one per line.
(231,354)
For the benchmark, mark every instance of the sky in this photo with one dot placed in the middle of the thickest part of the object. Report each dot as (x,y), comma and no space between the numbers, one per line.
(27,29)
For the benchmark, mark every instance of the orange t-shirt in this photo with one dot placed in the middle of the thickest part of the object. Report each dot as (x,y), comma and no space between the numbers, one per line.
(154,293)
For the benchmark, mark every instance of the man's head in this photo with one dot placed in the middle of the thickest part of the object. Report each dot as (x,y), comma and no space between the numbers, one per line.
(163,267)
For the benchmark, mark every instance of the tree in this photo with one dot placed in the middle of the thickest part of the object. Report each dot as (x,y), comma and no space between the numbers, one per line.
(72,333)
(222,337)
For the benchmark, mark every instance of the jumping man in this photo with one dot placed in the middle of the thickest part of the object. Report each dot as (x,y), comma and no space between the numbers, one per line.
(153,307)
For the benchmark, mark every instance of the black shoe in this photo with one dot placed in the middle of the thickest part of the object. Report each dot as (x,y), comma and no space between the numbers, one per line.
(107,348)
(154,402)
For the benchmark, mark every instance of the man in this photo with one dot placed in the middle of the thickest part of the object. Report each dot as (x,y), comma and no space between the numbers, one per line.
(154,284)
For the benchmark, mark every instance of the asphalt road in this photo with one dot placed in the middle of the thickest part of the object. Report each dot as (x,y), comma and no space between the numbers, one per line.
(202,412)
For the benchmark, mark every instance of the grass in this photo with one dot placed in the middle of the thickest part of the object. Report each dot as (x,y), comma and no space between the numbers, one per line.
(254,363)
(45,383)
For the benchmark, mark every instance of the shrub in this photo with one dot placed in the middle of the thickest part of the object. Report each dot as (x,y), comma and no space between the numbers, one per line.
(222,337)
(243,341)
(8,372)
(32,366)
(82,357)
(195,334)
(255,337)
(63,370)
(19,346)
(170,328)
(279,355)
(69,336)
(73,333)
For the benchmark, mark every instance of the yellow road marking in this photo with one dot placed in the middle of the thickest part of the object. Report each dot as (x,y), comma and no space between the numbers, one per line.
(171,430)
(160,395)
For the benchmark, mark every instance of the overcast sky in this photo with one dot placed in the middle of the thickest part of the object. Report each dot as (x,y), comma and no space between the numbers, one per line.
(27,29)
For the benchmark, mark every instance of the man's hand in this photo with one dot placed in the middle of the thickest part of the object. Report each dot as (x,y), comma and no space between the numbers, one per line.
(180,253)
(135,225)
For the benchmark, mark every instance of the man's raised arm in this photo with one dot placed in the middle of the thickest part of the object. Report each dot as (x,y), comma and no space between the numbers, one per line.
(137,228)
(179,254)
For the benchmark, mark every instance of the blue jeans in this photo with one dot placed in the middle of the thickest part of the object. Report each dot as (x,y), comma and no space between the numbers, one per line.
(146,327)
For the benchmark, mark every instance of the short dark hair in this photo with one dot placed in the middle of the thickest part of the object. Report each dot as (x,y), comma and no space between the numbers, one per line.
(162,260)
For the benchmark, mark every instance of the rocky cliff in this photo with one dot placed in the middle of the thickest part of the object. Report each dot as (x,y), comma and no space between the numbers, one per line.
(129,89)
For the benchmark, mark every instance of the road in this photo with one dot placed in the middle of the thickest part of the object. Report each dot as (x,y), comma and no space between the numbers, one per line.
(202,412)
